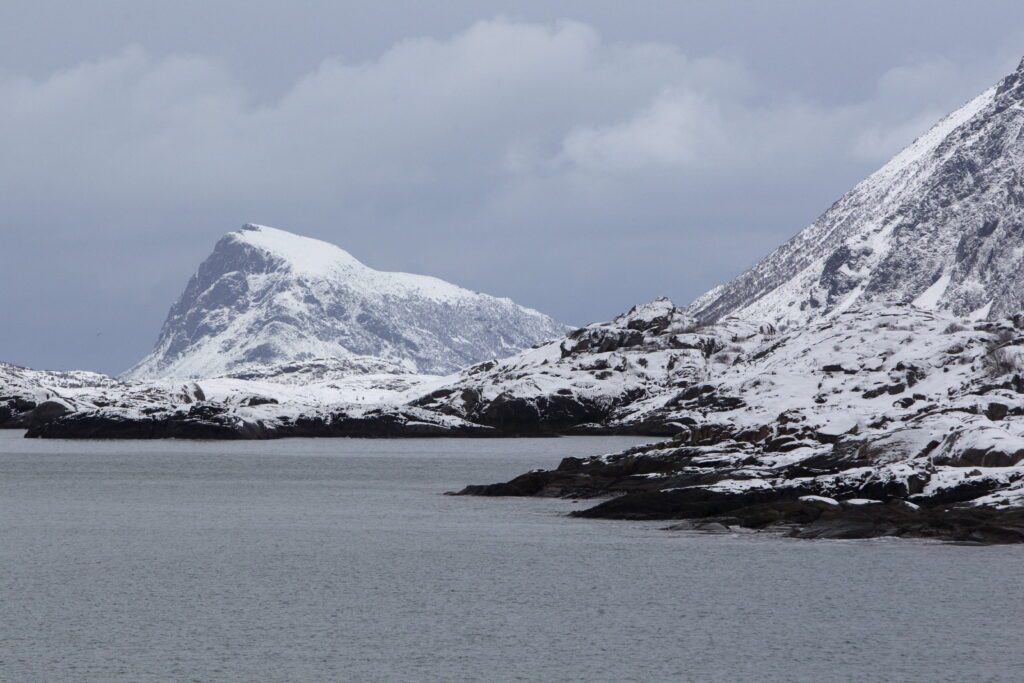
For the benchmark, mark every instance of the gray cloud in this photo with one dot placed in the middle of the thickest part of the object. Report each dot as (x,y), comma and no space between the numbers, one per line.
(536,159)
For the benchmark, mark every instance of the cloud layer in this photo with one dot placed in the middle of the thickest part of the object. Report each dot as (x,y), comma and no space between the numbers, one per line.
(534,160)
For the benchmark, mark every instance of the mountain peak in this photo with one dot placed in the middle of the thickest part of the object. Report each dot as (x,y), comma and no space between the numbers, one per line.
(267,298)
(303,254)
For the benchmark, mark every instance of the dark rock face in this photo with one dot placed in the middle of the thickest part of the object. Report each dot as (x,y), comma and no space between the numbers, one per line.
(806,519)
(212,421)
(97,426)
(600,341)
(48,411)
(547,415)
(15,412)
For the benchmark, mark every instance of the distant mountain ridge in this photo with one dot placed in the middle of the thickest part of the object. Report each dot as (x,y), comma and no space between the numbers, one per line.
(266,298)
(941,226)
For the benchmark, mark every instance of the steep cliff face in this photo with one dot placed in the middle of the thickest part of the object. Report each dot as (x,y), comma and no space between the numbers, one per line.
(940,226)
(266,300)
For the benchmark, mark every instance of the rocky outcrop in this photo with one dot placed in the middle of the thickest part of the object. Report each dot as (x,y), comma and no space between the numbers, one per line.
(15,411)
(31,397)
(844,490)
(596,380)
(899,421)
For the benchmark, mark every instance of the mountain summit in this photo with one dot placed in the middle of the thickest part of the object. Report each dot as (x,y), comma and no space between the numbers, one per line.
(940,226)
(266,298)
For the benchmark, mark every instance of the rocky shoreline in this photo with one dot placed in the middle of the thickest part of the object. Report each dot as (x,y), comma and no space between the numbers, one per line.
(212,420)
(838,495)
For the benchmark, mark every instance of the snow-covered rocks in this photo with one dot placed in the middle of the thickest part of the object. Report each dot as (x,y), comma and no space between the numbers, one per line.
(899,414)
(889,377)
(267,302)
(23,391)
(230,408)
(600,378)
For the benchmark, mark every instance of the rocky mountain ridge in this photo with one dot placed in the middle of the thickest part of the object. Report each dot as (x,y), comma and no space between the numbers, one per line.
(941,225)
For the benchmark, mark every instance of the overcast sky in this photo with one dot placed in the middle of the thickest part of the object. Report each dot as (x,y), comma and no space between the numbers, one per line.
(578,157)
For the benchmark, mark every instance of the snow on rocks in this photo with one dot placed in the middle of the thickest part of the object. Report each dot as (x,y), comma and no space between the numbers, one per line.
(26,394)
(606,377)
(828,502)
(899,414)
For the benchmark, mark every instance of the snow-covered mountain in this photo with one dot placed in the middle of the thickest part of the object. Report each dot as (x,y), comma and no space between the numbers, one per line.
(941,225)
(889,401)
(267,302)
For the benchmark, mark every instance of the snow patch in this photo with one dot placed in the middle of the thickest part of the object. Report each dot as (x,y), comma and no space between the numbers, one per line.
(929,298)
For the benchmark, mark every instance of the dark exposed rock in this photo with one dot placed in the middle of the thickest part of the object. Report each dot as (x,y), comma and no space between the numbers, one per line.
(259,401)
(589,340)
(845,491)
(214,422)
(47,411)
(997,411)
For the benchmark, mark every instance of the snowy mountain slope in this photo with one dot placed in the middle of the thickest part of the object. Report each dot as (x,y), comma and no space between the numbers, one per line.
(15,377)
(266,300)
(941,225)
(655,369)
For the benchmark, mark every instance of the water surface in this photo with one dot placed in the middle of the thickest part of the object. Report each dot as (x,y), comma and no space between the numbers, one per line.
(339,559)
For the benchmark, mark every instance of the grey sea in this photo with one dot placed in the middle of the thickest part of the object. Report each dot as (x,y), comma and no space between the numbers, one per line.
(329,560)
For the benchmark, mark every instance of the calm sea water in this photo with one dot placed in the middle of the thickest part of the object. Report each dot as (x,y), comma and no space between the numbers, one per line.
(312,560)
